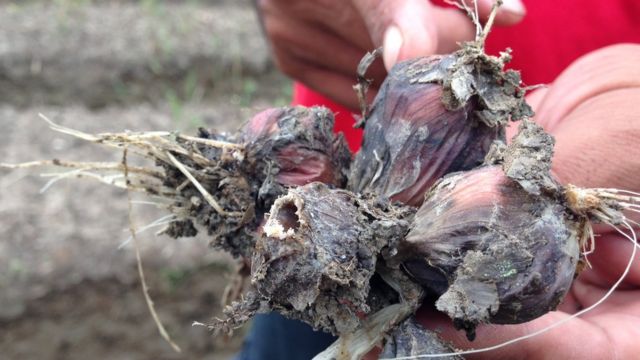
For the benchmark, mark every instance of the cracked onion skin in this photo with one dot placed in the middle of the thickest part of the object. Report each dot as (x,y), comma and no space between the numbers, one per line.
(434,116)
(300,143)
(292,146)
(493,252)
(281,147)
(411,139)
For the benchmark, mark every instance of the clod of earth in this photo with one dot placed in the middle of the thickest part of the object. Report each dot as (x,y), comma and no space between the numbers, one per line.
(279,148)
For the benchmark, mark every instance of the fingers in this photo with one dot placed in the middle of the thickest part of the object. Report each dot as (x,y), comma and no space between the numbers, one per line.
(609,68)
(622,301)
(564,342)
(333,35)
(319,49)
(318,58)
(336,16)
(597,143)
(412,28)
(610,259)
(336,86)
(312,45)
(591,111)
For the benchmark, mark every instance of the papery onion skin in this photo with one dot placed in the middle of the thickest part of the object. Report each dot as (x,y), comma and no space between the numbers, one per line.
(508,256)
(433,116)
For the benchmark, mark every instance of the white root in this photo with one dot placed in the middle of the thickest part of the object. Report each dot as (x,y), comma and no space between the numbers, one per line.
(68,131)
(88,169)
(473,15)
(154,145)
(139,184)
(618,191)
(151,144)
(489,24)
(167,219)
(212,143)
(145,289)
(632,238)
(477,19)
(160,205)
(60,176)
(100,166)
(603,205)
(214,204)
(633,222)
(588,242)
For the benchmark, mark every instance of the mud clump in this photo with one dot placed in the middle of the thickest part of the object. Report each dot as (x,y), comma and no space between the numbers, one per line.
(510,256)
(319,252)
(279,148)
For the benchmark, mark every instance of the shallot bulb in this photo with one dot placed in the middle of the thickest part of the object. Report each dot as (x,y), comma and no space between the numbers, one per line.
(298,145)
(497,253)
(433,116)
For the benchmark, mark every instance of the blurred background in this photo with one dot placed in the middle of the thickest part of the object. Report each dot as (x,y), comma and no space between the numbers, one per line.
(67,291)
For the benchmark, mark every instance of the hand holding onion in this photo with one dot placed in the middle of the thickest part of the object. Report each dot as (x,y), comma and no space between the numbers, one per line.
(596,130)
(319,49)
(495,243)
(513,260)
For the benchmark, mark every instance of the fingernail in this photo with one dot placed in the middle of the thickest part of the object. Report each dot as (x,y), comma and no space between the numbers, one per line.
(391,46)
(513,6)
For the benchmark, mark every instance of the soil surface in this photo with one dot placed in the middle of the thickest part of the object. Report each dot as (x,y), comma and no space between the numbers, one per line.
(67,291)
(105,52)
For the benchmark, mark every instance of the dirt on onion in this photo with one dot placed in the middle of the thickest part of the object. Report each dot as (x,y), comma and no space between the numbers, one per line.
(434,207)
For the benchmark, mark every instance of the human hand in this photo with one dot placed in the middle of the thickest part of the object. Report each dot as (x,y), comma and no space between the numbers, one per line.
(320,43)
(591,111)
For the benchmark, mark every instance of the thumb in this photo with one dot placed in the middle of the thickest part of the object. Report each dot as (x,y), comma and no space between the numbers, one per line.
(412,28)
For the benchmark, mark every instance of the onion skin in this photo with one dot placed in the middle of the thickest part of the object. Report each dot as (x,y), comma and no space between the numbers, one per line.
(412,138)
(508,256)
(281,147)
(300,145)
(292,146)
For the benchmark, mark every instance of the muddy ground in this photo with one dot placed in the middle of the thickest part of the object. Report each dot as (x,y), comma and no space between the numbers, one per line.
(67,291)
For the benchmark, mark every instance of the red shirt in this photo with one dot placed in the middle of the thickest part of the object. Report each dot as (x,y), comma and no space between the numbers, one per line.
(552,35)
